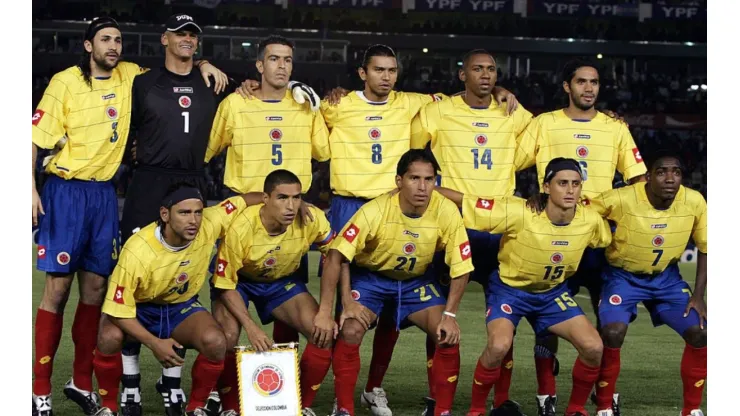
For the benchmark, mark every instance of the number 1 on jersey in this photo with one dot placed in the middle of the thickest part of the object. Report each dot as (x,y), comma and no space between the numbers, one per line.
(186,121)
(484,160)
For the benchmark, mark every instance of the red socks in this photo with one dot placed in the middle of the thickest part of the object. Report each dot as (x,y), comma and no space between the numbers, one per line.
(315,363)
(693,374)
(545,377)
(501,391)
(584,377)
(85,338)
(283,333)
(205,374)
(47,334)
(607,385)
(346,365)
(108,371)
(228,383)
(431,350)
(446,370)
(385,340)
(483,380)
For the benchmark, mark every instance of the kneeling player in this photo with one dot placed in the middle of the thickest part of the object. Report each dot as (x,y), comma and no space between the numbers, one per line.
(655,221)
(153,296)
(259,260)
(538,253)
(392,240)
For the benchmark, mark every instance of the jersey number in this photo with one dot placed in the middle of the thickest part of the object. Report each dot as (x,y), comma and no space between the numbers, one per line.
(186,121)
(422,291)
(116,250)
(377,153)
(553,272)
(277,154)
(402,262)
(659,253)
(180,290)
(584,169)
(485,160)
(564,301)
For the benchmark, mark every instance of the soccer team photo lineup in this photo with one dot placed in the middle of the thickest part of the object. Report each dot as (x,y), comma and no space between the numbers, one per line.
(233,219)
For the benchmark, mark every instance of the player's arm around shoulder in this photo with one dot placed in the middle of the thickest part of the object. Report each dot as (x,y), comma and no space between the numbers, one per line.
(218,218)
(321,233)
(602,232)
(608,204)
(51,112)
(529,137)
(497,216)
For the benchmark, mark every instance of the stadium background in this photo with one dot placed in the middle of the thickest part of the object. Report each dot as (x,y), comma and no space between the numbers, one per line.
(653,58)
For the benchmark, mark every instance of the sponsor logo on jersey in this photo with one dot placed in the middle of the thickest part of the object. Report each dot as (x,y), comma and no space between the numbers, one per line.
(505,308)
(560,243)
(41,252)
(111,112)
(185,101)
(556,258)
(481,139)
(63,258)
(182,90)
(221,267)
(228,207)
(658,226)
(615,300)
(276,135)
(373,118)
(355,295)
(184,263)
(581,136)
(409,248)
(274,250)
(582,151)
(465,251)
(181,278)
(484,204)
(37,117)
(658,240)
(351,233)
(270,262)
(412,234)
(374,133)
(479,124)
(118,295)
(273,118)
(109,96)
(638,156)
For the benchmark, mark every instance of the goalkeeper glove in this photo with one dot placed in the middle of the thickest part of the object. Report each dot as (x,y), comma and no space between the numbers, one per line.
(57,147)
(302,93)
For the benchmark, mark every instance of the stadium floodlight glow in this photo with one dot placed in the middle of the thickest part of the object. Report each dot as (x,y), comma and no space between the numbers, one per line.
(246,44)
(689,43)
(694,87)
(571,40)
(704,87)
(425,50)
(459,63)
(599,56)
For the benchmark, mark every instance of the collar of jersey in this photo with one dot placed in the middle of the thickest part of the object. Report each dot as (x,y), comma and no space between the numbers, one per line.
(461,101)
(158,234)
(361,94)
(642,195)
(579,120)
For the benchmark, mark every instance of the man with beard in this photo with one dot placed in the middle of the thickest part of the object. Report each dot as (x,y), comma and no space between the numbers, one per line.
(86,111)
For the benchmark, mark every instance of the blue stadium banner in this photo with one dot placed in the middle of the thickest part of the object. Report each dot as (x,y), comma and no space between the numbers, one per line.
(663,11)
(469,6)
(349,4)
(581,8)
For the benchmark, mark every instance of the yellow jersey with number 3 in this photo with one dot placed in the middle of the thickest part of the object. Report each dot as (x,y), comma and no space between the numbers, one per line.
(381,238)
(367,140)
(476,148)
(601,146)
(148,271)
(648,240)
(535,255)
(95,120)
(250,253)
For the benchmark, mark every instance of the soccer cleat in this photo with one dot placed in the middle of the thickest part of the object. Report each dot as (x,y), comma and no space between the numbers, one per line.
(104,411)
(342,412)
(508,408)
(131,402)
(615,403)
(475,414)
(42,405)
(607,412)
(198,412)
(430,404)
(376,401)
(446,413)
(307,411)
(334,410)
(232,413)
(213,404)
(696,412)
(89,402)
(174,400)
(546,405)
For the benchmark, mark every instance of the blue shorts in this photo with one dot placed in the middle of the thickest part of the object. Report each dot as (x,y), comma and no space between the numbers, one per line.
(484,248)
(161,320)
(374,291)
(80,228)
(341,210)
(589,271)
(542,310)
(267,296)
(664,295)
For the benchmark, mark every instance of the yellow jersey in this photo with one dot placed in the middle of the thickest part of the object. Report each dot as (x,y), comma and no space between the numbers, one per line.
(95,121)
(601,146)
(249,253)
(476,148)
(535,255)
(264,136)
(381,238)
(149,271)
(648,240)
(367,140)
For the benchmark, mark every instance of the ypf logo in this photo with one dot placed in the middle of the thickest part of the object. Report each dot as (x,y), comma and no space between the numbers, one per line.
(268,380)
(556,258)
(505,308)
(276,135)
(615,300)
(582,151)
(481,139)
(658,240)
(111,112)
(409,248)
(184,101)
(374,133)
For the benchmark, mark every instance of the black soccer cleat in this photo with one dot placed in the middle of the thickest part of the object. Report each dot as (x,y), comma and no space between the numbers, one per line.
(430,404)
(507,408)
(547,407)
(89,402)
(174,400)
(213,404)
(131,408)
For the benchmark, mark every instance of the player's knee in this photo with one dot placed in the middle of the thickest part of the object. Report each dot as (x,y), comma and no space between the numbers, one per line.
(352,331)
(56,293)
(695,336)
(93,289)
(213,343)
(495,351)
(110,338)
(232,339)
(591,351)
(613,335)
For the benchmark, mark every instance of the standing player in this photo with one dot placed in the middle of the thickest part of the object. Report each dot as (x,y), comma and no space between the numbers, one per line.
(392,240)
(523,287)
(601,145)
(152,295)
(655,222)
(259,260)
(475,142)
(86,108)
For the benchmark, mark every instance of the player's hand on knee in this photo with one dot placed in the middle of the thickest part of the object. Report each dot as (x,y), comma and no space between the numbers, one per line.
(697,304)
(248,88)
(355,310)
(335,95)
(164,351)
(448,331)
(259,340)
(501,94)
(324,330)
(37,208)
(303,93)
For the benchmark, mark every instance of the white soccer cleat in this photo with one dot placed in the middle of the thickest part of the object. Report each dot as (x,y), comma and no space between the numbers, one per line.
(105,412)
(607,412)
(696,412)
(307,411)
(376,401)
(89,402)
(43,404)
(334,409)
(228,413)
(302,93)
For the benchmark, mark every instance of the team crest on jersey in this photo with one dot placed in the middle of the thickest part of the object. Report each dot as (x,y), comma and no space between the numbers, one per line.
(374,133)
(409,248)
(481,139)
(582,151)
(109,96)
(273,118)
(182,278)
(556,258)
(412,234)
(276,135)
(63,258)
(270,262)
(581,136)
(560,243)
(615,300)
(465,251)
(37,117)
(656,226)
(182,90)
(373,118)
(355,295)
(479,124)
(41,252)
(185,101)
(658,240)
(484,203)
(505,308)
(638,156)
(111,112)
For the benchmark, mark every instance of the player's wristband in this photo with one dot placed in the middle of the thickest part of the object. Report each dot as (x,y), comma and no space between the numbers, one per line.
(450,314)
